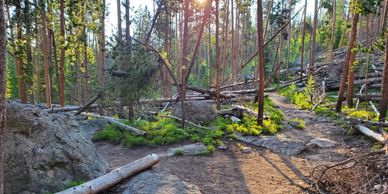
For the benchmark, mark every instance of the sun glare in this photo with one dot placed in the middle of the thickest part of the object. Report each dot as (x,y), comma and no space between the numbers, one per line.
(201,2)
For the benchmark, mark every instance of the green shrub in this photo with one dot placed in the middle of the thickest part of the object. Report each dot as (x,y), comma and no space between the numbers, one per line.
(211,148)
(110,133)
(270,127)
(297,123)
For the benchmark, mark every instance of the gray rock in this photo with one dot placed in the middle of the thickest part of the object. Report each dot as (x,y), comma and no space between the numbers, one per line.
(284,146)
(246,150)
(222,147)
(196,111)
(91,126)
(44,152)
(322,143)
(158,182)
(188,150)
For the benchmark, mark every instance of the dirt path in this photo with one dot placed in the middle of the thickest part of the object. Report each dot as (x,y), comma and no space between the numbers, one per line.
(260,171)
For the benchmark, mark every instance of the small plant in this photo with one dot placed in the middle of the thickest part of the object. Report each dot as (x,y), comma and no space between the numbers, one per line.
(211,148)
(376,147)
(178,152)
(297,123)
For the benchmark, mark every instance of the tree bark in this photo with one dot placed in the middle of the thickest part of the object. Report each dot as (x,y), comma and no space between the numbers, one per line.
(18,54)
(218,84)
(233,64)
(119,26)
(313,39)
(62,65)
(3,86)
(101,49)
(46,51)
(260,48)
(345,68)
(384,88)
(303,40)
(351,78)
(332,33)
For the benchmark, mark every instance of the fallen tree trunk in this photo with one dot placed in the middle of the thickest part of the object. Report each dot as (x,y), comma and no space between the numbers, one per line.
(121,125)
(66,109)
(370,133)
(117,175)
(245,109)
(99,95)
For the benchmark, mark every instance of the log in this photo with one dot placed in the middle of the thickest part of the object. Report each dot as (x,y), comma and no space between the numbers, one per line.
(245,109)
(374,107)
(117,175)
(99,95)
(121,125)
(370,133)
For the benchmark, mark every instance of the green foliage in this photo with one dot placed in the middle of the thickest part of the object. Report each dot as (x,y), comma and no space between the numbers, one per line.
(211,148)
(361,114)
(364,7)
(303,99)
(178,152)
(376,147)
(300,124)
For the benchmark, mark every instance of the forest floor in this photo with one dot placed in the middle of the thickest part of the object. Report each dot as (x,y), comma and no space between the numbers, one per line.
(261,170)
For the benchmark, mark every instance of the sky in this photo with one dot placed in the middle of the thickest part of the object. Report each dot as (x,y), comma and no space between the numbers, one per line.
(111,22)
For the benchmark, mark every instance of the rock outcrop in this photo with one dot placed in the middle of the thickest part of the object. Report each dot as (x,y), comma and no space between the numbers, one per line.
(196,111)
(44,152)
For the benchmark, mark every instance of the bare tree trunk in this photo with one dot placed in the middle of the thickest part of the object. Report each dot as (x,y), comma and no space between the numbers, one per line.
(269,9)
(332,33)
(127,20)
(62,66)
(384,16)
(19,59)
(351,79)
(234,62)
(260,48)
(3,86)
(345,68)
(313,39)
(303,41)
(119,26)
(384,88)
(166,87)
(289,31)
(225,38)
(101,49)
(185,55)
(218,105)
(29,66)
(210,54)
(46,51)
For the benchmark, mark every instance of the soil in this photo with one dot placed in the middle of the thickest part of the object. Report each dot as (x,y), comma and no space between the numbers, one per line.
(260,171)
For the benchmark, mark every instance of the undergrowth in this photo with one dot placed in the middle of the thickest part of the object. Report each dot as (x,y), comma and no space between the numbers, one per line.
(164,131)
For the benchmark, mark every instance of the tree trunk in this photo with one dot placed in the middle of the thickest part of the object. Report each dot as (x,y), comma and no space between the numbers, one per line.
(332,33)
(345,68)
(127,20)
(29,66)
(225,38)
(218,84)
(46,51)
(384,88)
(3,86)
(289,31)
(260,48)
(19,58)
(62,65)
(351,79)
(384,16)
(101,49)
(313,39)
(185,55)
(107,181)
(303,40)
(234,57)
(119,26)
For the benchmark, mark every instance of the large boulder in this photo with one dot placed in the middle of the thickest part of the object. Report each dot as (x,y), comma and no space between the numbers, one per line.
(44,152)
(158,182)
(199,112)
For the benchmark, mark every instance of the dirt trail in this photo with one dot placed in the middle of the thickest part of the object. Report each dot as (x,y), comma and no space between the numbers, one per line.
(261,171)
